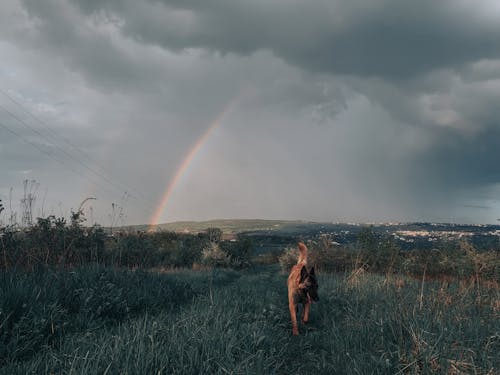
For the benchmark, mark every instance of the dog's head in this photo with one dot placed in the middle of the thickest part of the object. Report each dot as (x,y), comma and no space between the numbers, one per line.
(309,284)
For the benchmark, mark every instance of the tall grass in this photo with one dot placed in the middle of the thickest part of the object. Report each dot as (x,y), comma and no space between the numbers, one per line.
(448,260)
(237,322)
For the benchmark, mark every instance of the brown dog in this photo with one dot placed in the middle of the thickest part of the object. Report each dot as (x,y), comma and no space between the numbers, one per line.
(302,288)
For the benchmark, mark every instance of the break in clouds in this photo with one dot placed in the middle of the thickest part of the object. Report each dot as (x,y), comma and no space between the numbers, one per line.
(332,110)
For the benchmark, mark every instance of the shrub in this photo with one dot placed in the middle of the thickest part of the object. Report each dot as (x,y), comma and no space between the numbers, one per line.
(323,256)
(379,253)
(214,256)
(288,259)
(460,259)
(239,252)
(51,241)
(327,256)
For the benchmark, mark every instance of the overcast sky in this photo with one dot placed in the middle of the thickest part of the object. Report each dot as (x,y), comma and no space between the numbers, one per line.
(329,110)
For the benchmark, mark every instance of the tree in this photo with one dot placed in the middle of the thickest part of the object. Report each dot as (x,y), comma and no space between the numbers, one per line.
(214,234)
(367,240)
(380,251)
(239,251)
(214,256)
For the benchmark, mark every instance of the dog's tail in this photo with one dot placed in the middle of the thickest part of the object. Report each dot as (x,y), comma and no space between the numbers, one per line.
(302,254)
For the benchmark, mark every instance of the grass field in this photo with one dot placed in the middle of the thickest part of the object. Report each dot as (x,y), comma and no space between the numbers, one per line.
(97,320)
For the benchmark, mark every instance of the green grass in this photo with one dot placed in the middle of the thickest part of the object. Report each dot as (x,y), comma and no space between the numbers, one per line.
(96,321)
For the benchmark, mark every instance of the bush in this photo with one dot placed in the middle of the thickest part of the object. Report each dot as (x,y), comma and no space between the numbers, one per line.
(239,252)
(51,241)
(324,256)
(379,253)
(328,257)
(214,256)
(288,259)
(453,259)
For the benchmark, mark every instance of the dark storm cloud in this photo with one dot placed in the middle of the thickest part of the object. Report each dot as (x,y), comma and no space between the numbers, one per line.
(60,30)
(377,38)
(466,162)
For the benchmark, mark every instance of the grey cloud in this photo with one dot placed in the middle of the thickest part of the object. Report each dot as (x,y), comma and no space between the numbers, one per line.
(455,133)
(86,49)
(466,162)
(98,50)
(381,38)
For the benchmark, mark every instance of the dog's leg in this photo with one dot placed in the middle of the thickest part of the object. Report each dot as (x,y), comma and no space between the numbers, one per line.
(293,315)
(305,317)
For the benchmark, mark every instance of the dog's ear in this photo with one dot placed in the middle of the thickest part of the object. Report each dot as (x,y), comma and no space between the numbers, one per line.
(311,272)
(303,273)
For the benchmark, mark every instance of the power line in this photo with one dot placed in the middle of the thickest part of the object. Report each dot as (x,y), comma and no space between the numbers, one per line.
(46,126)
(51,156)
(36,146)
(60,148)
(72,157)
(68,142)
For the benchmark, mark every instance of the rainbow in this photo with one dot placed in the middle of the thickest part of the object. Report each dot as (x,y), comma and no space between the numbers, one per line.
(181,169)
